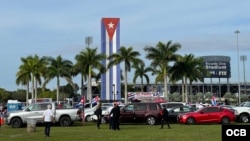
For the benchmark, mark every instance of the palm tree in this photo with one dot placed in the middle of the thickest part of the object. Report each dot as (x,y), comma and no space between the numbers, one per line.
(187,68)
(78,68)
(161,55)
(89,60)
(196,70)
(141,71)
(59,67)
(129,58)
(31,69)
(178,72)
(23,78)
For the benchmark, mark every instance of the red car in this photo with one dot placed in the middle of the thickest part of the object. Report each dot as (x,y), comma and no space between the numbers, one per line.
(211,114)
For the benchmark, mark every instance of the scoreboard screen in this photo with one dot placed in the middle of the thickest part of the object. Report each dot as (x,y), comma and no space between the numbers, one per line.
(218,69)
(218,66)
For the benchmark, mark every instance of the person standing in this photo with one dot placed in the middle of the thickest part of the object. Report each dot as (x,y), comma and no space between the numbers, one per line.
(98,113)
(164,117)
(83,115)
(116,117)
(48,118)
(110,117)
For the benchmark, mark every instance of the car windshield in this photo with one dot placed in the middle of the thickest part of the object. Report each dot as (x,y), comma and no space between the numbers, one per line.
(244,104)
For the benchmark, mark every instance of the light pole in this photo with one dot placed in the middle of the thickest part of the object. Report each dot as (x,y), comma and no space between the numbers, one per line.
(237,33)
(243,58)
(88,41)
(113,91)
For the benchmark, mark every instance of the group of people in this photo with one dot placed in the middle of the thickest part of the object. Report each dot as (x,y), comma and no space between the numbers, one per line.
(114,116)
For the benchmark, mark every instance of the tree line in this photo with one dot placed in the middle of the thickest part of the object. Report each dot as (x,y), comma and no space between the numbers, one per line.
(165,64)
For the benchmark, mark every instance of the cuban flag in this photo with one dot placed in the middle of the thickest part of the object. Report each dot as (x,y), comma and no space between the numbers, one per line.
(83,100)
(213,101)
(110,44)
(131,95)
(95,100)
(156,94)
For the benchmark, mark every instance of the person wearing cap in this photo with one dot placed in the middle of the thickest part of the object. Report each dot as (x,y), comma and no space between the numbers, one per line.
(164,117)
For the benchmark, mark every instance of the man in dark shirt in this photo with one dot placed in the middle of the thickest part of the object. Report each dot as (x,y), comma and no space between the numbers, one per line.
(164,117)
(98,113)
(116,116)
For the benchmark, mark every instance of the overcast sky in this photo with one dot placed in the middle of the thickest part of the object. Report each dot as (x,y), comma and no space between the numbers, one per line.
(59,27)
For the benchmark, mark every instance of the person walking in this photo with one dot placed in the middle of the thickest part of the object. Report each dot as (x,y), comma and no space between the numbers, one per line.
(98,113)
(48,118)
(116,117)
(164,117)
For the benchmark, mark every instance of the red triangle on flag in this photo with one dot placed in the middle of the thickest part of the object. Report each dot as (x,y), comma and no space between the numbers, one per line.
(110,25)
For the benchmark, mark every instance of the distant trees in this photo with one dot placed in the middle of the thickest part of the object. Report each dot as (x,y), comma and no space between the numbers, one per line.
(142,72)
(165,64)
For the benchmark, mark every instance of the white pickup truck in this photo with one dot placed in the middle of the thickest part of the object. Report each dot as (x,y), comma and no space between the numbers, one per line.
(242,112)
(65,117)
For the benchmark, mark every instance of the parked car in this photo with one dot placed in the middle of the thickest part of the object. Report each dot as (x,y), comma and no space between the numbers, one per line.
(244,104)
(211,114)
(104,111)
(230,107)
(89,112)
(106,114)
(65,117)
(150,113)
(175,111)
(170,105)
(242,112)
(196,105)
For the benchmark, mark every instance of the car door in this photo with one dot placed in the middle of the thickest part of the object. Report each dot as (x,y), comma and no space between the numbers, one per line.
(36,111)
(127,113)
(140,111)
(202,115)
(214,114)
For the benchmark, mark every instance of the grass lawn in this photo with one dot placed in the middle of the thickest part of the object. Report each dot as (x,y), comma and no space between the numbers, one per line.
(128,132)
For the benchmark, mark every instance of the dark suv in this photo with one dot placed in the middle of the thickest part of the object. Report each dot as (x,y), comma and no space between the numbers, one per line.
(141,112)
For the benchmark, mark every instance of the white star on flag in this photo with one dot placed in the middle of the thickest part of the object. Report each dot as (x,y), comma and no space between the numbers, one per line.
(111,25)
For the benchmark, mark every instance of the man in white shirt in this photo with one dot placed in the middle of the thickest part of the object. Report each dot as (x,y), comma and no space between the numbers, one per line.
(48,117)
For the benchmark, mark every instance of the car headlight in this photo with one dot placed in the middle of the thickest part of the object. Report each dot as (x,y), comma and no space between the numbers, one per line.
(236,112)
(184,116)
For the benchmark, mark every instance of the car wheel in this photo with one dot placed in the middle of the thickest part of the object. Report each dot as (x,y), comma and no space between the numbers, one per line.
(151,120)
(244,118)
(65,121)
(16,123)
(225,120)
(88,118)
(190,120)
